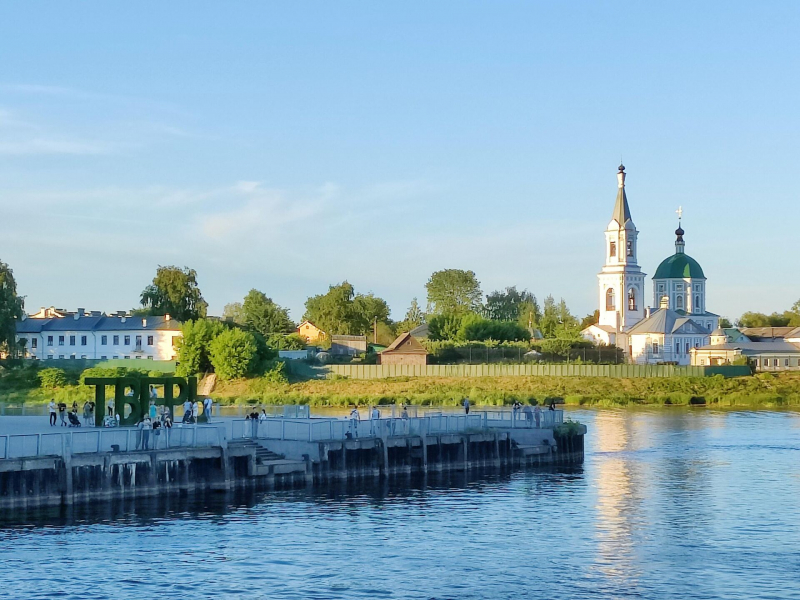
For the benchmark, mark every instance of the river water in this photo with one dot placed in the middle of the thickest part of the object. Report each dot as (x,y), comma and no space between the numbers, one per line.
(670,503)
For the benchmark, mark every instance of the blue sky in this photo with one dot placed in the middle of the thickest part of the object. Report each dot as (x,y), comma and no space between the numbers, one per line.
(288,146)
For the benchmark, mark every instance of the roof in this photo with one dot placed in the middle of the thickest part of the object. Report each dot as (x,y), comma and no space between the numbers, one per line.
(349,338)
(771,332)
(779,347)
(308,323)
(606,328)
(679,266)
(667,321)
(420,331)
(735,335)
(405,344)
(105,323)
(622,213)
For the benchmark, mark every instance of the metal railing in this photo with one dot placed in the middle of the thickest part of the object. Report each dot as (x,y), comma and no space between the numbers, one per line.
(123,439)
(322,429)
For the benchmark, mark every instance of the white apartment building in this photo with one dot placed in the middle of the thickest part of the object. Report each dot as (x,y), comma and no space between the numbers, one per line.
(100,337)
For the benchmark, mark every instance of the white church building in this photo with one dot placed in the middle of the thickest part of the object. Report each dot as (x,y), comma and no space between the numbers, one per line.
(680,322)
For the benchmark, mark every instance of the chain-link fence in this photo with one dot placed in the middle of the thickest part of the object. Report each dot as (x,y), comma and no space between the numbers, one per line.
(485,355)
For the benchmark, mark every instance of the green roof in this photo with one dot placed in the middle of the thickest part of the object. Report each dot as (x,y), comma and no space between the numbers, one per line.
(679,266)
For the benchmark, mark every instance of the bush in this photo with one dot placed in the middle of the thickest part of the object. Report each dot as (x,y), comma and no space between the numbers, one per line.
(194,346)
(52,378)
(233,354)
(293,341)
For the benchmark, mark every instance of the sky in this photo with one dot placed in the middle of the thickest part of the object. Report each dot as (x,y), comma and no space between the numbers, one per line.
(290,146)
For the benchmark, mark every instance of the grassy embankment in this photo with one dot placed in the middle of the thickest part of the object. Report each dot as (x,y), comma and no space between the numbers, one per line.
(763,390)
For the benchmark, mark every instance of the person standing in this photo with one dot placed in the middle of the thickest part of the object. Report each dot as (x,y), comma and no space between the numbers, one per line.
(376,420)
(87,414)
(537,415)
(466,405)
(52,408)
(528,416)
(153,410)
(147,427)
(354,417)
(195,411)
(208,407)
(62,413)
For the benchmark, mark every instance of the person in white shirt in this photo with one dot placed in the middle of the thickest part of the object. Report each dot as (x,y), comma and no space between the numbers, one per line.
(354,421)
(208,407)
(195,411)
(375,423)
(52,408)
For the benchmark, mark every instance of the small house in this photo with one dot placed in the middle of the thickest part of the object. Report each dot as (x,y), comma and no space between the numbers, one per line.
(405,350)
(310,332)
(348,345)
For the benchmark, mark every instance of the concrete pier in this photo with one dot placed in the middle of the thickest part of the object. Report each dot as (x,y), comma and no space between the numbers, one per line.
(280,453)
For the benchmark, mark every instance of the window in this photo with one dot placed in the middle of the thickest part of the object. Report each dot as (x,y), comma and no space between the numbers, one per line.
(103,357)
(149,358)
(612,249)
(83,340)
(126,357)
(61,340)
(50,357)
(631,299)
(149,340)
(127,340)
(679,301)
(697,302)
(139,340)
(84,356)
(72,340)
(34,343)
(49,340)
(660,287)
(688,347)
(785,362)
(677,347)
(72,357)
(610,304)
(655,347)
(103,340)
(60,356)
(116,340)
(630,248)
(116,357)
(138,357)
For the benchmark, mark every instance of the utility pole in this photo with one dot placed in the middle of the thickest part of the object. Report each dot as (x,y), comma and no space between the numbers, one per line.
(375,331)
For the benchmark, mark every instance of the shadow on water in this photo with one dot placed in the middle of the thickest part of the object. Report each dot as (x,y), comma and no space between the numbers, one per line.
(333,496)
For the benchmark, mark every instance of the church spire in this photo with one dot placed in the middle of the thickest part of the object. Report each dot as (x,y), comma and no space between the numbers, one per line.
(622,214)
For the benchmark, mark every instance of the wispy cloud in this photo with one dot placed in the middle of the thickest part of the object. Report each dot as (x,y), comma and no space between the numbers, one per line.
(36,146)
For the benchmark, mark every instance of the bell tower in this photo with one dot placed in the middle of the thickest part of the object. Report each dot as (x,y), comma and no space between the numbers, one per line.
(621,281)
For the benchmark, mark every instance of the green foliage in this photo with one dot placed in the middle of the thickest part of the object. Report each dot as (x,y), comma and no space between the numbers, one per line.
(444,326)
(568,428)
(725,323)
(233,312)
(476,328)
(275,373)
(341,312)
(557,346)
(174,292)
(193,347)
(590,319)
(262,314)
(10,308)
(453,291)
(511,305)
(557,321)
(293,341)
(114,372)
(233,354)
(52,378)
(414,318)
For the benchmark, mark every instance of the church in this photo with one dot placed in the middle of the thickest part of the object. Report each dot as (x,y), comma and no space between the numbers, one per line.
(678,321)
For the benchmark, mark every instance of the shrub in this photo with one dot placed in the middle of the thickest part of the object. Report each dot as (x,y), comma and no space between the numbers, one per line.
(52,378)
(233,354)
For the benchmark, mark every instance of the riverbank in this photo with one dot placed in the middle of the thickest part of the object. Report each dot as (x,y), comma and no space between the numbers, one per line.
(765,390)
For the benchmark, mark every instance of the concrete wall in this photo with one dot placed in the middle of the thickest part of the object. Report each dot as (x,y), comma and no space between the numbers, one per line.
(623,371)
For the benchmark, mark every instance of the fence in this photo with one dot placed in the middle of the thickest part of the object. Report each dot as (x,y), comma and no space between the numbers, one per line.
(108,440)
(619,371)
(450,355)
(314,430)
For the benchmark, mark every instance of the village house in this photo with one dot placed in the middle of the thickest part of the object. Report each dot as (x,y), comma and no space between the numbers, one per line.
(310,332)
(405,350)
(767,348)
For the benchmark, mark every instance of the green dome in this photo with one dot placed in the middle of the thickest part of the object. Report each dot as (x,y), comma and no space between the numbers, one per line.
(679,266)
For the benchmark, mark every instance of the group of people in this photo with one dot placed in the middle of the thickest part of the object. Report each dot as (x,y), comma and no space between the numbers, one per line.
(69,418)
(375,416)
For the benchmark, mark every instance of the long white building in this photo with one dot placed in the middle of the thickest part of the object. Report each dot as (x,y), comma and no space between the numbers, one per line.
(92,336)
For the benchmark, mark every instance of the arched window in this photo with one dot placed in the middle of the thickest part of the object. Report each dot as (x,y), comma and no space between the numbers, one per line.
(697,303)
(630,248)
(610,304)
(679,301)
(612,249)
(631,299)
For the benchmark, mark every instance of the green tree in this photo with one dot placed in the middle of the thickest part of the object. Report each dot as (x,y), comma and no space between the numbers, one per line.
(174,292)
(756,319)
(10,308)
(263,315)
(414,318)
(444,327)
(725,323)
(590,319)
(453,291)
(341,312)
(293,341)
(233,312)
(193,346)
(476,328)
(530,315)
(509,304)
(233,354)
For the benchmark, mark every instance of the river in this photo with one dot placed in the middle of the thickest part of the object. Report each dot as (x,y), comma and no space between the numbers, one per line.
(670,503)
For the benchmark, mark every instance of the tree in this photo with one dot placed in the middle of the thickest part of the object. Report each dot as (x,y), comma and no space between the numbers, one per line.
(11,306)
(341,312)
(508,304)
(557,321)
(453,291)
(174,292)
(530,315)
(725,323)
(193,346)
(233,354)
(414,318)
(445,326)
(476,328)
(293,341)
(590,319)
(233,312)
(263,315)
(756,319)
